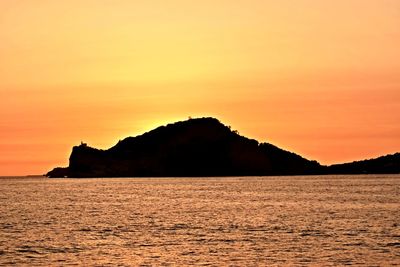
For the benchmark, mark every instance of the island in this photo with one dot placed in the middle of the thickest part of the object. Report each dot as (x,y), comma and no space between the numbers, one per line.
(203,147)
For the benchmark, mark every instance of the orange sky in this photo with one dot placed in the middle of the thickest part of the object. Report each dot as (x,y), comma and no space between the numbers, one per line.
(320,78)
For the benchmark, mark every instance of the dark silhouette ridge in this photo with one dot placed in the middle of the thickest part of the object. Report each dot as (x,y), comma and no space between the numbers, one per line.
(385,164)
(201,147)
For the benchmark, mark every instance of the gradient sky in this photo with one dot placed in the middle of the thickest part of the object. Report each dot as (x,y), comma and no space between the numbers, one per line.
(320,78)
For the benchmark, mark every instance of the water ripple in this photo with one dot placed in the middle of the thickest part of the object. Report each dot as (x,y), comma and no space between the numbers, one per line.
(248,221)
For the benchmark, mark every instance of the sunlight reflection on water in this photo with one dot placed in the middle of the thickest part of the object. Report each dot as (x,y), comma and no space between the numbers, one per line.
(328,220)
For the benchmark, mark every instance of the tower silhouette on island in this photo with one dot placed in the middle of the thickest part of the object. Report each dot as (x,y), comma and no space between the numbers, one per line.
(203,147)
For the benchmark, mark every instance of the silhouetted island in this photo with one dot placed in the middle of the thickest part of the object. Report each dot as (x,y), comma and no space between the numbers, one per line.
(202,147)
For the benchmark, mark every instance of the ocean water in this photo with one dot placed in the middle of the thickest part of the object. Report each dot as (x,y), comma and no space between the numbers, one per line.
(246,221)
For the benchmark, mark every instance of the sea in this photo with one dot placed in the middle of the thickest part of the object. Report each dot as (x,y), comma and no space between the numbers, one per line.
(228,221)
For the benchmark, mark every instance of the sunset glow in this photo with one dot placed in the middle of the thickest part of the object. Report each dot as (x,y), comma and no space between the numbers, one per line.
(320,78)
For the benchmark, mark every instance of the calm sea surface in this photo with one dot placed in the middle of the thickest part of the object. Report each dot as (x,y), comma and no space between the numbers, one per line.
(246,221)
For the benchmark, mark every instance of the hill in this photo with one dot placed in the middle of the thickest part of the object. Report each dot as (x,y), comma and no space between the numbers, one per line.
(203,147)
(385,164)
(196,147)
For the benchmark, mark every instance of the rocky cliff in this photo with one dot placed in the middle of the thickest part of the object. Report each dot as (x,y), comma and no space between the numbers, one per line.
(196,147)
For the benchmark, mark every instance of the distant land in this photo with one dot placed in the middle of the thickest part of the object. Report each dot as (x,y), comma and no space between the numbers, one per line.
(203,147)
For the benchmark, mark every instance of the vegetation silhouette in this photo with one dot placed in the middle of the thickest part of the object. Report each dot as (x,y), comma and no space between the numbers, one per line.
(386,164)
(202,147)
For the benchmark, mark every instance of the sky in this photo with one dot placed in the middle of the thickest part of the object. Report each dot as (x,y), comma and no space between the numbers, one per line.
(320,78)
